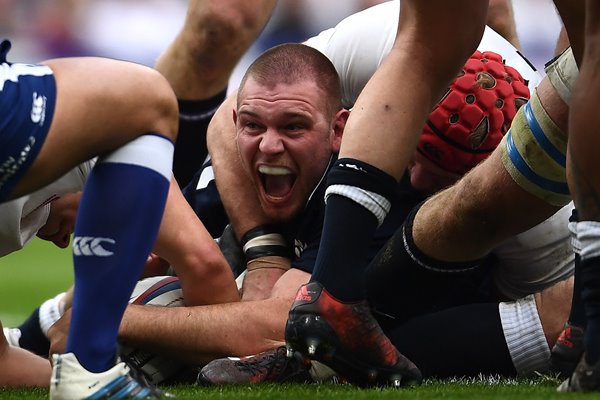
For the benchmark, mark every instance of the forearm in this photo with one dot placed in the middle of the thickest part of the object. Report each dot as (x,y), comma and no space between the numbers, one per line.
(237,193)
(199,334)
(262,275)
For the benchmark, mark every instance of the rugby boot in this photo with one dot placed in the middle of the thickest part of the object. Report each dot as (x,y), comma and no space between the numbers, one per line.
(347,338)
(585,378)
(268,366)
(71,381)
(567,350)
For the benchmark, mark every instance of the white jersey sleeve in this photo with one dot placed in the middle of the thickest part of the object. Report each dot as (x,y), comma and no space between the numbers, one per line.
(359,44)
(20,219)
(536,258)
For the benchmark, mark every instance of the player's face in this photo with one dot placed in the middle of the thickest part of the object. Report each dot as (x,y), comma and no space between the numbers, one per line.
(61,220)
(285,137)
(427,178)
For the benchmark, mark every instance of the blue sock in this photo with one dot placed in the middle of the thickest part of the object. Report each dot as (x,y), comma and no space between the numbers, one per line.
(117,223)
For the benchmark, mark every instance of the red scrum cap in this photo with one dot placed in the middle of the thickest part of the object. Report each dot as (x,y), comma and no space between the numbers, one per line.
(476,111)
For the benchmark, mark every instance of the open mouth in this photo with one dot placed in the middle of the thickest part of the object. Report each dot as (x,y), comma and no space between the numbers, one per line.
(277,182)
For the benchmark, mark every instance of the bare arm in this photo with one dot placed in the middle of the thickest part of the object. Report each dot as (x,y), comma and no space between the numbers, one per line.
(262,276)
(199,334)
(237,193)
(240,200)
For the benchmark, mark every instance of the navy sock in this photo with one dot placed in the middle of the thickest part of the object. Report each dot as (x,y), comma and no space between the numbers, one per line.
(340,262)
(348,228)
(590,274)
(190,147)
(32,337)
(577,314)
(117,223)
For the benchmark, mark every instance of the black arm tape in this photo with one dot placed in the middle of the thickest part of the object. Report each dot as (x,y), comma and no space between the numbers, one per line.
(265,240)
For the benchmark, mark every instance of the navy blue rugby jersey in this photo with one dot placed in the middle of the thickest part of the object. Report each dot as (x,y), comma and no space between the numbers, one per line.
(304,232)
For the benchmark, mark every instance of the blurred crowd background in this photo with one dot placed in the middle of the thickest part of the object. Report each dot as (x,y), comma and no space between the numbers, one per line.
(138,30)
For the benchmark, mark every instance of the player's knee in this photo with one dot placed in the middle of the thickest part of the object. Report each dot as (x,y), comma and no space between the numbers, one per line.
(214,27)
(160,109)
(225,22)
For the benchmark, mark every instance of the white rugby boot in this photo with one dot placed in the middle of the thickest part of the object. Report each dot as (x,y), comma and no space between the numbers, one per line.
(12,335)
(70,381)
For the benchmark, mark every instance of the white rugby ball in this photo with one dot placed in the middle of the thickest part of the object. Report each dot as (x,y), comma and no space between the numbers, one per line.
(157,291)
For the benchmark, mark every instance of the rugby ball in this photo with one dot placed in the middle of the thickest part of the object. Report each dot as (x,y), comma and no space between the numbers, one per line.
(162,291)
(159,291)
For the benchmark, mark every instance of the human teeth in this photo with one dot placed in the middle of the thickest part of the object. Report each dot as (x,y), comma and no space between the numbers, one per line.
(268,170)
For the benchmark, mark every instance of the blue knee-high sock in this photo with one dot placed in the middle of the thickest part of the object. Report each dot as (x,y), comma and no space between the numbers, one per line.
(117,223)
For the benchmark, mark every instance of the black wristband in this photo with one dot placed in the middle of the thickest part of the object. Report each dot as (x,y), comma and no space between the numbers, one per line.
(264,240)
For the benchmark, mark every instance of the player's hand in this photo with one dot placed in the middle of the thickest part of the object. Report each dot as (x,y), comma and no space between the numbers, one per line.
(155,266)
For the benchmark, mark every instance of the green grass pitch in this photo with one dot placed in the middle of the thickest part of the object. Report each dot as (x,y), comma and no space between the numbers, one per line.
(41,270)
(30,276)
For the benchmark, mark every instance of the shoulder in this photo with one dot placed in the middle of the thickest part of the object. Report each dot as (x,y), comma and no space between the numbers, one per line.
(358,44)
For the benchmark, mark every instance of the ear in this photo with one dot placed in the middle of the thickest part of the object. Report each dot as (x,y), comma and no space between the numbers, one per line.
(339,123)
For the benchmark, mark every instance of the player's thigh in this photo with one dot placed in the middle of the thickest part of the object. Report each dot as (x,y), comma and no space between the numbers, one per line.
(101,105)
(592,30)
(481,210)
(572,13)
(495,197)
